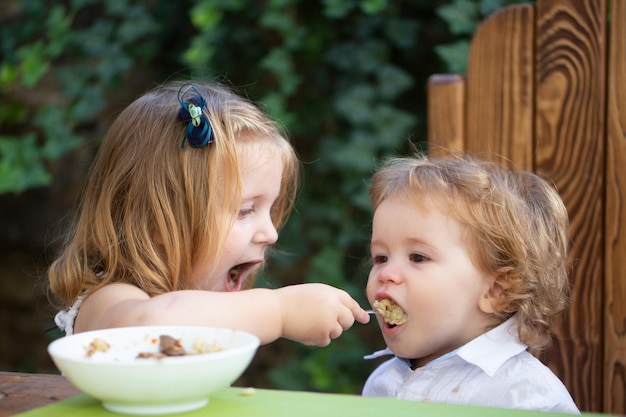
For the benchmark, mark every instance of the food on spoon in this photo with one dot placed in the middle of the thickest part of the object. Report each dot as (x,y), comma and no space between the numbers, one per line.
(392,313)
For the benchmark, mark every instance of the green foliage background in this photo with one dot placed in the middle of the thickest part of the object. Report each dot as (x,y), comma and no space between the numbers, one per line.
(346,77)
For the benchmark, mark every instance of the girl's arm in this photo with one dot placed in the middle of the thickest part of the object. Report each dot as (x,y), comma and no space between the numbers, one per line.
(312,314)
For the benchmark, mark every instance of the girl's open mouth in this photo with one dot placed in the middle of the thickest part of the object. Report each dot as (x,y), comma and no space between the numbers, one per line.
(237,275)
(233,276)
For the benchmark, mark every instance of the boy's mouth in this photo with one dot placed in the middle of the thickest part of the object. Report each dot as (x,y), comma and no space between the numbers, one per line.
(390,311)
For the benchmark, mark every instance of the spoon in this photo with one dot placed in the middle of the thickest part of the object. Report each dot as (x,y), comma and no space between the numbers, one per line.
(371,312)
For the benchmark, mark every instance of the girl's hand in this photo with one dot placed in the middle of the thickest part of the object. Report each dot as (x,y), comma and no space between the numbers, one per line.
(314,314)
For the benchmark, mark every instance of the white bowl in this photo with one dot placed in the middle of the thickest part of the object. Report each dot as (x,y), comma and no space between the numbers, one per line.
(127,384)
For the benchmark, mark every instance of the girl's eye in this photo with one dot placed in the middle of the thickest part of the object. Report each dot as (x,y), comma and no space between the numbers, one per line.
(417,257)
(379,259)
(243,213)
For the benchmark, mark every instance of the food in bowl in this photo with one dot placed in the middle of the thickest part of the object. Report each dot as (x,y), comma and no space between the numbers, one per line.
(105,364)
(391,312)
(170,346)
(96,345)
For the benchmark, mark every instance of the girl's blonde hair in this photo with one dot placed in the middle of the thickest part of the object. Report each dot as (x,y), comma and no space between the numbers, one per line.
(516,225)
(151,210)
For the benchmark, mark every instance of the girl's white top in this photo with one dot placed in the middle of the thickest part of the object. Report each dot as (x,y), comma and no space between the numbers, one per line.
(65,319)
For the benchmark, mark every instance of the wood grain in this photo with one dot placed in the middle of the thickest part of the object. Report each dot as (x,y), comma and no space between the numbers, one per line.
(615,219)
(446,113)
(570,113)
(22,392)
(500,87)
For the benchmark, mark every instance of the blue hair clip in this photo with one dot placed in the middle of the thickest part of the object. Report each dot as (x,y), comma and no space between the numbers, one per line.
(198,133)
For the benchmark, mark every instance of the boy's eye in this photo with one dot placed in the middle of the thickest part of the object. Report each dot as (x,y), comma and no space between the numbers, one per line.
(417,257)
(379,259)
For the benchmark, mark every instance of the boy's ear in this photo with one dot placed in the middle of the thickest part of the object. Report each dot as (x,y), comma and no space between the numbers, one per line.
(494,299)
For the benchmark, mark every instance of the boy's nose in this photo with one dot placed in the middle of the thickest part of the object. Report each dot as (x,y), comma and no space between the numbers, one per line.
(390,273)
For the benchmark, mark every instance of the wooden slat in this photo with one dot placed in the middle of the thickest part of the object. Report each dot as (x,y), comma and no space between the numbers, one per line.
(615,220)
(446,113)
(20,392)
(570,131)
(500,87)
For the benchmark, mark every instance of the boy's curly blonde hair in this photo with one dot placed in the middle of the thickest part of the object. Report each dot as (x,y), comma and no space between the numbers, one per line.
(516,224)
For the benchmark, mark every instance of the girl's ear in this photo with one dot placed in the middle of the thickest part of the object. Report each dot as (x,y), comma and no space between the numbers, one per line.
(494,299)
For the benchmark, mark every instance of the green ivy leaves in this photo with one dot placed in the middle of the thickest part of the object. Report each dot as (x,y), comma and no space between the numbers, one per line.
(55,69)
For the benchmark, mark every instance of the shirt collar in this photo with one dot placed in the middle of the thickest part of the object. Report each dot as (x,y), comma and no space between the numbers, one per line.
(491,350)
(488,351)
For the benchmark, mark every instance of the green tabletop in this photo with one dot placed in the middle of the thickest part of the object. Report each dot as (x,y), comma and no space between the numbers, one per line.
(234,402)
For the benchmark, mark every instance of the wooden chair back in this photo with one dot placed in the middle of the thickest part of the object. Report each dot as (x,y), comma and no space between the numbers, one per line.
(545,90)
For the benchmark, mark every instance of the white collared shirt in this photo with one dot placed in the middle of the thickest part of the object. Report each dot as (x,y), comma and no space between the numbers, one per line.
(493,370)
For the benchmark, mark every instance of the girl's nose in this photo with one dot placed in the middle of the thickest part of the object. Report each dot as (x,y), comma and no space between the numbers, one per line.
(266,233)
